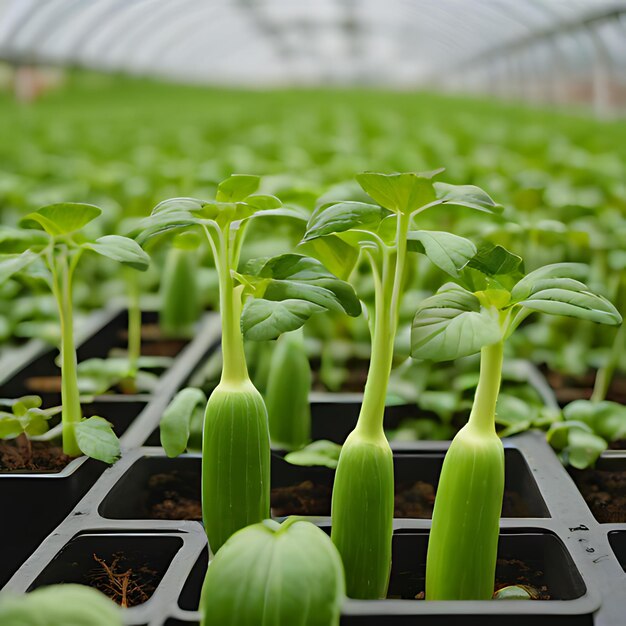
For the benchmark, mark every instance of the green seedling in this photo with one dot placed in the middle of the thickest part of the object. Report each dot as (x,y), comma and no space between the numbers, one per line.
(286,290)
(383,233)
(68,604)
(479,313)
(293,575)
(52,241)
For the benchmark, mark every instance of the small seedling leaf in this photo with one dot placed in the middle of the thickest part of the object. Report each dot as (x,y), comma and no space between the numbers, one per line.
(448,252)
(237,187)
(400,193)
(319,453)
(63,218)
(121,249)
(177,418)
(267,319)
(97,440)
(452,324)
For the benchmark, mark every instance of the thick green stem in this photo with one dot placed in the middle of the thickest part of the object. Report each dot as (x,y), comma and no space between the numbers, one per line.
(70,397)
(234,369)
(388,290)
(134,324)
(482,416)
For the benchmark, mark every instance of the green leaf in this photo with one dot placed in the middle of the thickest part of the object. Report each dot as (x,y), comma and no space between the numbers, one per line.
(584,448)
(264,202)
(63,218)
(494,260)
(177,418)
(68,604)
(452,324)
(293,575)
(237,187)
(174,214)
(10,426)
(448,252)
(97,440)
(607,419)
(295,276)
(339,218)
(17,240)
(536,279)
(578,445)
(468,196)
(319,453)
(11,264)
(580,304)
(337,255)
(400,193)
(266,319)
(121,249)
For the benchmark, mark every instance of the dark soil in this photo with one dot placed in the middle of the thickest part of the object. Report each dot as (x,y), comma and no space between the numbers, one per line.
(355,377)
(409,585)
(412,500)
(153,343)
(306,498)
(36,456)
(568,388)
(174,495)
(620,444)
(126,585)
(605,493)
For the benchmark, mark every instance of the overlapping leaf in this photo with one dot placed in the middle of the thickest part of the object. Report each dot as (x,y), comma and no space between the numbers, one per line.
(452,324)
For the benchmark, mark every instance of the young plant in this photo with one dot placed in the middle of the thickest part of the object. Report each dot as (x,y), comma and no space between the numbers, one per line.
(25,420)
(293,575)
(59,245)
(363,493)
(180,297)
(70,604)
(479,314)
(287,290)
(287,394)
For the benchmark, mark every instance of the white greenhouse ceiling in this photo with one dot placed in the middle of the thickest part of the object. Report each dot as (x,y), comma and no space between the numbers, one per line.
(393,42)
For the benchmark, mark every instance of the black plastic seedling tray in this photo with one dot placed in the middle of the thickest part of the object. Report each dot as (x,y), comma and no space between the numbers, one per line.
(42,500)
(581,561)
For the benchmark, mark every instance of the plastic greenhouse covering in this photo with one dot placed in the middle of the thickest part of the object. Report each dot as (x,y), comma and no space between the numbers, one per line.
(454,43)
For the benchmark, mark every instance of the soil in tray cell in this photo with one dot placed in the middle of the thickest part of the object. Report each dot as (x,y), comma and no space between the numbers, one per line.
(409,586)
(538,561)
(412,500)
(153,343)
(126,568)
(604,491)
(126,583)
(568,388)
(20,454)
(174,495)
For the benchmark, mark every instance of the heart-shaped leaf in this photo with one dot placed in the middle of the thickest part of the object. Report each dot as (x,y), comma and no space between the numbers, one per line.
(237,187)
(267,319)
(63,218)
(452,324)
(400,193)
(447,251)
(494,260)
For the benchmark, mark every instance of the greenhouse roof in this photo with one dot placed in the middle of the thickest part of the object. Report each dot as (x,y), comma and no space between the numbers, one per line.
(299,42)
